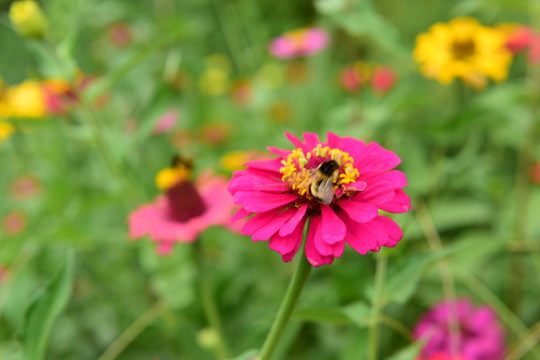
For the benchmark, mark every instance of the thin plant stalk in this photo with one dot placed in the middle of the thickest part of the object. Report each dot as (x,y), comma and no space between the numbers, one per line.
(209,306)
(286,309)
(131,333)
(380,272)
(447,281)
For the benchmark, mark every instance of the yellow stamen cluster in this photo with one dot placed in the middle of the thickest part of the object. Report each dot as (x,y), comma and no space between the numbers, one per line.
(170,176)
(299,178)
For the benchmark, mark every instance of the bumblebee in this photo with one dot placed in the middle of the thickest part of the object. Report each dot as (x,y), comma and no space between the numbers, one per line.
(323,179)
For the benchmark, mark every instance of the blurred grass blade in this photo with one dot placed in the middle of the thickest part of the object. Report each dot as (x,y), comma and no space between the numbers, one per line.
(409,353)
(45,310)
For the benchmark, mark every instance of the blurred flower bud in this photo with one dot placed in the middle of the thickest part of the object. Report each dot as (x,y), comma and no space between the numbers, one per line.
(208,338)
(241,92)
(215,134)
(534,173)
(24,187)
(28,19)
(166,122)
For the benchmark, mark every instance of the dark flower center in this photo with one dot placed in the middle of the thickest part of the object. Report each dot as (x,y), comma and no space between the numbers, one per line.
(185,202)
(462,50)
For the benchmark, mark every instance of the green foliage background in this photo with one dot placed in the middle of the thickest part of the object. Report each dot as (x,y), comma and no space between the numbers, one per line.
(75,283)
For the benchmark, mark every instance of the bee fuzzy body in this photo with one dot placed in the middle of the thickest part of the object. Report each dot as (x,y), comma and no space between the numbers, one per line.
(324,177)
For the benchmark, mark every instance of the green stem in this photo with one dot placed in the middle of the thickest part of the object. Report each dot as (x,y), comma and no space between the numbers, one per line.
(286,309)
(209,306)
(380,271)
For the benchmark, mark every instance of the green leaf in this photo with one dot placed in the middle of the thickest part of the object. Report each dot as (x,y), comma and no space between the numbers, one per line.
(248,355)
(403,279)
(45,310)
(365,21)
(409,353)
(320,314)
(358,313)
(15,59)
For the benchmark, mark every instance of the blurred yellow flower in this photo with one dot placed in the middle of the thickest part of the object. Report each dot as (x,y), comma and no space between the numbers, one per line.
(465,49)
(28,19)
(26,100)
(214,82)
(271,75)
(235,159)
(6,129)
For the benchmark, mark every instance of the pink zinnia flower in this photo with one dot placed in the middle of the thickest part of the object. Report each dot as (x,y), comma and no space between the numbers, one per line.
(383,79)
(480,336)
(279,193)
(183,212)
(297,43)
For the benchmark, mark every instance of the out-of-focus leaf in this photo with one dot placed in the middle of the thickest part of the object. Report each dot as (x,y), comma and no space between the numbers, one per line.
(402,280)
(363,20)
(15,59)
(248,355)
(358,313)
(45,310)
(409,353)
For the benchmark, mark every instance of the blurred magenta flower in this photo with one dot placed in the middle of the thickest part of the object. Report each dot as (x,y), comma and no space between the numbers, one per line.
(480,336)
(383,79)
(441,356)
(343,205)
(183,212)
(297,43)
(166,122)
(523,38)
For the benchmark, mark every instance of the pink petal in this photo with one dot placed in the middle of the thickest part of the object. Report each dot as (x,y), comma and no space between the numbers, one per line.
(287,244)
(312,140)
(377,194)
(240,214)
(270,228)
(269,165)
(361,237)
(332,228)
(359,211)
(261,201)
(164,247)
(322,247)
(257,183)
(334,141)
(400,203)
(293,221)
(280,152)
(312,254)
(396,177)
(258,221)
(297,235)
(391,229)
(294,140)
(356,186)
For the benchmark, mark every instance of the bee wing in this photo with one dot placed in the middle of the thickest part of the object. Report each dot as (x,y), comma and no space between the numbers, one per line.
(326,191)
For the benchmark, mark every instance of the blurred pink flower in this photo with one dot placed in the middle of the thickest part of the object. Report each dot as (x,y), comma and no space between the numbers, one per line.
(354,77)
(183,212)
(166,122)
(14,223)
(119,34)
(297,43)
(480,336)
(534,172)
(283,193)
(523,38)
(383,79)
(3,274)
(24,187)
